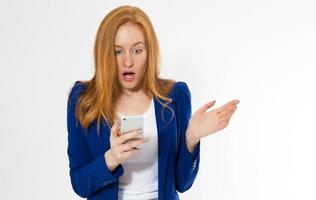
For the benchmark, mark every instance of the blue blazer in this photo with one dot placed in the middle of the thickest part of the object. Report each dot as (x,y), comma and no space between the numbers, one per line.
(177,167)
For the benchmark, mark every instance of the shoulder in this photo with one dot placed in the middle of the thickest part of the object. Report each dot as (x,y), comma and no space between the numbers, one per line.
(182,86)
(75,91)
(182,90)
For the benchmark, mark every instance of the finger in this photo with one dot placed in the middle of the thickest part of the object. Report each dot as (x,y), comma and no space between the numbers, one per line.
(224,118)
(132,145)
(231,112)
(134,139)
(130,153)
(223,124)
(115,129)
(206,106)
(228,105)
(227,112)
(129,135)
(223,121)
(140,131)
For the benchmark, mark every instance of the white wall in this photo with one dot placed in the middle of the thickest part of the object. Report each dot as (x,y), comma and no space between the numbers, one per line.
(260,52)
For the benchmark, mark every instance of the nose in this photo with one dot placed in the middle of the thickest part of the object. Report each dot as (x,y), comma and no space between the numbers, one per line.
(128,60)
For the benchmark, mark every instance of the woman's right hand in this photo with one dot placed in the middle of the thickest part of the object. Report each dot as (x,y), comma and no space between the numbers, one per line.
(122,146)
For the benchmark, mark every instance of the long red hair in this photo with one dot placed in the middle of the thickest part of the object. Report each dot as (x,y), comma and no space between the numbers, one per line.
(101,93)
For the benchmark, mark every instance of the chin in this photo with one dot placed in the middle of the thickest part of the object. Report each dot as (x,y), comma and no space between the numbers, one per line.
(133,86)
(128,85)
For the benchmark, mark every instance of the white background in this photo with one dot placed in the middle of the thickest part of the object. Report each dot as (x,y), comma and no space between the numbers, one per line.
(260,52)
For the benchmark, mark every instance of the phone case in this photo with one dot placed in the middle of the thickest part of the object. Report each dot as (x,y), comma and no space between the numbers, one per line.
(130,123)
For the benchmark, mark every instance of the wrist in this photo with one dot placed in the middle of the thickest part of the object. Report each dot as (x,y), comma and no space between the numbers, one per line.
(110,162)
(192,136)
(191,140)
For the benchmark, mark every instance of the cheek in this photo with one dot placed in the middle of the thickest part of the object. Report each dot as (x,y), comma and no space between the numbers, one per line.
(142,63)
(142,60)
(119,65)
(118,61)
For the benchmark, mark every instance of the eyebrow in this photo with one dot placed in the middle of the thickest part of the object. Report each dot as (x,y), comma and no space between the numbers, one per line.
(132,45)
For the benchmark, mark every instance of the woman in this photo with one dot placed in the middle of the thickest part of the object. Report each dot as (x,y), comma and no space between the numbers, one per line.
(106,164)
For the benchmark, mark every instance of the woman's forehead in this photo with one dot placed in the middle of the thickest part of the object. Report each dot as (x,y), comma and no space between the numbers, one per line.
(129,34)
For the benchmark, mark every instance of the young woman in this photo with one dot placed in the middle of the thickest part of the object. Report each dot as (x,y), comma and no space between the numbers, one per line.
(106,164)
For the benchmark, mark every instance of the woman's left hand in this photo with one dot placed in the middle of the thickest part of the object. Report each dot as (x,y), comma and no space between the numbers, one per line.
(204,123)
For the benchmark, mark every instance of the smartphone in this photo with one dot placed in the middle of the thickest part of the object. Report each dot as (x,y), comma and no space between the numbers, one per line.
(131,123)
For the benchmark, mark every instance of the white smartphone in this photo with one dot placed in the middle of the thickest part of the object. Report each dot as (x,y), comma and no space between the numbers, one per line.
(131,123)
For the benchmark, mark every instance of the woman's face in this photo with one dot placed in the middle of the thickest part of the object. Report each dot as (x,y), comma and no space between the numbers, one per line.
(131,55)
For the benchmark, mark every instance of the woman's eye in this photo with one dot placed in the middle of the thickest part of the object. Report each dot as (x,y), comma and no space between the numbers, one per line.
(138,51)
(117,52)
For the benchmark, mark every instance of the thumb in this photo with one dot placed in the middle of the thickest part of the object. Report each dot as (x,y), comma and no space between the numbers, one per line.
(115,128)
(206,106)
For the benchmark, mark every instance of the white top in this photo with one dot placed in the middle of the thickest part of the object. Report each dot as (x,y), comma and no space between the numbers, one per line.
(140,178)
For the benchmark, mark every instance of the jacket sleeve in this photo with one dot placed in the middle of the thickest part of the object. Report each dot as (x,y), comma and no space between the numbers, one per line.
(88,174)
(187,163)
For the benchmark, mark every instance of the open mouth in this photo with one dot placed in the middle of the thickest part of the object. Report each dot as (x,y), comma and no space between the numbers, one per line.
(128,76)
(128,73)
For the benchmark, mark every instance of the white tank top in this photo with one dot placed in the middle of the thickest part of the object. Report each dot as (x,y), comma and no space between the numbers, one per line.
(140,178)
